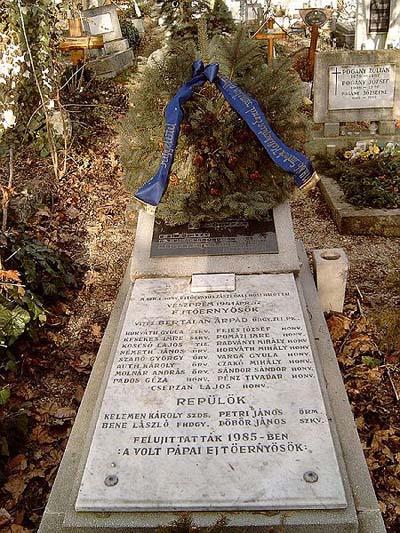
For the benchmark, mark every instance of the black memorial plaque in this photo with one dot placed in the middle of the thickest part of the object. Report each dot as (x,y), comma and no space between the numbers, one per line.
(315,17)
(379,18)
(226,237)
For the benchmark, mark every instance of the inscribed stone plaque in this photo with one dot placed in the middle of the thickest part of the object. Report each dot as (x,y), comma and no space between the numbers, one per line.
(379,16)
(100,24)
(361,86)
(227,237)
(212,402)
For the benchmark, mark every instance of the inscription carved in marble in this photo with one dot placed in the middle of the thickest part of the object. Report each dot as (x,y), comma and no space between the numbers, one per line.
(212,402)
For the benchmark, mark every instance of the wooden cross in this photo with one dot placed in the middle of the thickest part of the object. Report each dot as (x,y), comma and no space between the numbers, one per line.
(271,36)
(76,43)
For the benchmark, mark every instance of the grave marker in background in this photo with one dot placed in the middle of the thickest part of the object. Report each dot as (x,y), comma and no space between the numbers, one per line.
(357,86)
(116,54)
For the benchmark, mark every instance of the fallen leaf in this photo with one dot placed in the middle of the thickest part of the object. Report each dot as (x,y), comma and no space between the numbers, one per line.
(15,486)
(96,330)
(72,213)
(338,325)
(79,392)
(65,413)
(15,528)
(41,435)
(357,344)
(5,518)
(10,275)
(84,363)
(17,463)
(43,212)
(36,472)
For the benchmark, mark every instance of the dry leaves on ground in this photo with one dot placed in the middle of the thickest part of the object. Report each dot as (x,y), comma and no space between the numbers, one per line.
(374,395)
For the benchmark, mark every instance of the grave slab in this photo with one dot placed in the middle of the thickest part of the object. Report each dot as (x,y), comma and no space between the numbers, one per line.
(109,66)
(212,402)
(112,47)
(362,514)
(102,20)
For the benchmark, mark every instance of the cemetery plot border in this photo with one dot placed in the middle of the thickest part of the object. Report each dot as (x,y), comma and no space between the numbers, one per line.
(356,69)
(358,220)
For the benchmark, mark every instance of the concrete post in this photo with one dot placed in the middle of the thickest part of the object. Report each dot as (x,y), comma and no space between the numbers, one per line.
(330,268)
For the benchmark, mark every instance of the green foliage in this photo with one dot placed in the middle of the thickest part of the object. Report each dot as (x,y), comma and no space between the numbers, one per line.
(4,395)
(182,17)
(20,312)
(19,93)
(220,20)
(130,32)
(220,169)
(44,270)
(36,273)
(369,178)
(370,361)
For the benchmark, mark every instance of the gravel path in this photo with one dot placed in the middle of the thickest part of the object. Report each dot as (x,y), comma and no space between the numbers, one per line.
(373,260)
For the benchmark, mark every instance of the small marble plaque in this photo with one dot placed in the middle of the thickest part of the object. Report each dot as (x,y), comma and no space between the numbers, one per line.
(361,86)
(212,403)
(213,282)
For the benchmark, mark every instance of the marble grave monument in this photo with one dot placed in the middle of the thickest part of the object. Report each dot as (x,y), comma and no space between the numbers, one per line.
(216,391)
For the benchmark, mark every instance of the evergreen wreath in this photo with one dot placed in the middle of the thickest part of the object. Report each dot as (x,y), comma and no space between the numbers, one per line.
(220,169)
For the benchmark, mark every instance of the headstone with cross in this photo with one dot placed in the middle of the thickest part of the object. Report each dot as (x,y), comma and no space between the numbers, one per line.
(357,86)
(116,54)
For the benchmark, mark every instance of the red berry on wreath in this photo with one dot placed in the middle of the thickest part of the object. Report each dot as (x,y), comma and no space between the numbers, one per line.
(174,180)
(255,176)
(215,191)
(198,160)
(212,143)
(209,117)
(232,162)
(186,128)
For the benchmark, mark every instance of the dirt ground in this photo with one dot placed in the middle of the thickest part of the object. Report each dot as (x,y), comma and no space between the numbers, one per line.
(89,221)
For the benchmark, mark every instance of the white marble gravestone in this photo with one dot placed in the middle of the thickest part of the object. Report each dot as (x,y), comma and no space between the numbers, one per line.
(212,402)
(215,394)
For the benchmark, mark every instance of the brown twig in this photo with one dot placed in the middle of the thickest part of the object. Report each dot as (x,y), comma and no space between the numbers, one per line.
(397,396)
(346,338)
(6,194)
(50,137)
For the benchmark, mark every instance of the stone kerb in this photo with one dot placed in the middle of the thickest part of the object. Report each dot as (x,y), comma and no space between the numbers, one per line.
(325,60)
(355,220)
(362,514)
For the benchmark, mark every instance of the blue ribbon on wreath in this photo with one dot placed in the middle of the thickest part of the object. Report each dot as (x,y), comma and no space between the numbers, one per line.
(249,110)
